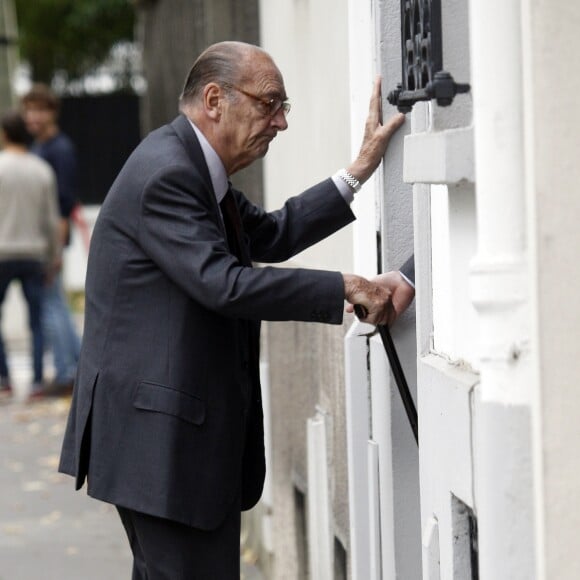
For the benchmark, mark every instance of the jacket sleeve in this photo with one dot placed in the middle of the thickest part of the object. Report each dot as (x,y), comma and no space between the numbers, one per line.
(181,231)
(303,221)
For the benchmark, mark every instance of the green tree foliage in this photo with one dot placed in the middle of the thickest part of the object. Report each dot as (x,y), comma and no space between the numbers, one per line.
(71,35)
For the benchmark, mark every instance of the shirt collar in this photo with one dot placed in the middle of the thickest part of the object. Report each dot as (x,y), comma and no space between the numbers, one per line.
(217,171)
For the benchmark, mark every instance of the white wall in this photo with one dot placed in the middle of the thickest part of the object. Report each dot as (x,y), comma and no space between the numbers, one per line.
(308,40)
(439,162)
(551,122)
(309,43)
(383,458)
(496,241)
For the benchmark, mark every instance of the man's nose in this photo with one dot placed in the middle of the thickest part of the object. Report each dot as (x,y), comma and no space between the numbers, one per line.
(279,120)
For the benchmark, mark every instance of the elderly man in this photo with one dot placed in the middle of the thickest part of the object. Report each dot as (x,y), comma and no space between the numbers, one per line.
(166,419)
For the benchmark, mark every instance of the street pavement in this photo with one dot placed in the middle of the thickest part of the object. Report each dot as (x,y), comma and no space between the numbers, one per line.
(47,530)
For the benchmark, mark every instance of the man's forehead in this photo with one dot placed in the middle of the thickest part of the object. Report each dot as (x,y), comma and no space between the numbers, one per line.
(267,79)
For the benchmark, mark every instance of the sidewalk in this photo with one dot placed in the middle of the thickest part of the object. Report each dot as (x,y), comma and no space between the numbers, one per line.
(47,530)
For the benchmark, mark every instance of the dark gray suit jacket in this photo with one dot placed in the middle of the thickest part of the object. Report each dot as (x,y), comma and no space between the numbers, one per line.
(168,377)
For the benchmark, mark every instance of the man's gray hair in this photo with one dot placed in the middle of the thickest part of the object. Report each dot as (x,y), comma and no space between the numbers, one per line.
(221,63)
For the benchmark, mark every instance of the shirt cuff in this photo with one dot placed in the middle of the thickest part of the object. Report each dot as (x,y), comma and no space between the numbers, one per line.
(343,188)
(407,279)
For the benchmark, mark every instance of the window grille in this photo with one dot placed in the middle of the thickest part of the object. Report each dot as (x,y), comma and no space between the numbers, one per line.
(423,77)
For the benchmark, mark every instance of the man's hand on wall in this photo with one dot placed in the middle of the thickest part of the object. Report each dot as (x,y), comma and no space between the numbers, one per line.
(376,137)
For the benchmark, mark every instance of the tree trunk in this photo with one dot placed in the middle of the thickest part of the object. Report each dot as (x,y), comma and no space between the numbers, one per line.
(173,33)
(8,52)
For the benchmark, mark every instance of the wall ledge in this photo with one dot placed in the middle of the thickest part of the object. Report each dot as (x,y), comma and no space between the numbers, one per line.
(444,157)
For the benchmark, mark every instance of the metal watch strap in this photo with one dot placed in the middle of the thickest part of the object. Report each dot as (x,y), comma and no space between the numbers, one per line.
(350,179)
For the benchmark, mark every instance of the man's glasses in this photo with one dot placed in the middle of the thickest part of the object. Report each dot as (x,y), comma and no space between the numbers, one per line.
(271,106)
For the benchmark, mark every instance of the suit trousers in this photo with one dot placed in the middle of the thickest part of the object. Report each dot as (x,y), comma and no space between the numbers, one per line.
(167,550)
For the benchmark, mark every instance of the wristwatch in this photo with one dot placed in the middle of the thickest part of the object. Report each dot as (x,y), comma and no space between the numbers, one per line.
(350,179)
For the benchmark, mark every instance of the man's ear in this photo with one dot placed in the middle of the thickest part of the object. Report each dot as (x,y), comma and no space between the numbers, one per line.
(212,100)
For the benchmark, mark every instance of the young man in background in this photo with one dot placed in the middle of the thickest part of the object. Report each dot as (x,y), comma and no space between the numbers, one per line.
(40,108)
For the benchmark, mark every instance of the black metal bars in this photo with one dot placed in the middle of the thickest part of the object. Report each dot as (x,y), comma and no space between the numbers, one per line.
(423,77)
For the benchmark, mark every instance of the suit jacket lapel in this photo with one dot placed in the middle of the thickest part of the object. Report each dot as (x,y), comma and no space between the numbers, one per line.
(187,136)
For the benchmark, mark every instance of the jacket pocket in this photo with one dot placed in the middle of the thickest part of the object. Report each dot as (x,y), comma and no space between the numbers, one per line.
(162,399)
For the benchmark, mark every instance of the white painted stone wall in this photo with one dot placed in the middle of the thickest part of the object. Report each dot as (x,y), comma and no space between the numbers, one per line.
(308,501)
(501,441)
(438,160)
(309,42)
(552,193)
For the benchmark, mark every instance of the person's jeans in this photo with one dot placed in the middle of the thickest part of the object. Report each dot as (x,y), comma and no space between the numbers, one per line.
(59,330)
(30,273)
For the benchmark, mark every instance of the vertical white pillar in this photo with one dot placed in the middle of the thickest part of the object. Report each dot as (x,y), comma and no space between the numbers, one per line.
(357,435)
(268,493)
(319,537)
(500,294)
(552,119)
(499,277)
(382,425)
(374,495)
(8,52)
(362,58)
(431,550)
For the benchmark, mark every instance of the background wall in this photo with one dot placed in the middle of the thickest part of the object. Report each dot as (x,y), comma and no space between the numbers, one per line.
(553,205)
(309,43)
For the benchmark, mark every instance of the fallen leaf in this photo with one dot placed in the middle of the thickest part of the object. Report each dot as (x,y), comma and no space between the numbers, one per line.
(33,486)
(15,466)
(13,529)
(49,461)
(34,428)
(57,430)
(51,518)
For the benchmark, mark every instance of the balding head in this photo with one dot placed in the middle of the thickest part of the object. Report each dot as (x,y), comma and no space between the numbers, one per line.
(224,63)
(235,95)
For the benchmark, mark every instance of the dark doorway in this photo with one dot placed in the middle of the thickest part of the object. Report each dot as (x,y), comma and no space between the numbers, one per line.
(105,130)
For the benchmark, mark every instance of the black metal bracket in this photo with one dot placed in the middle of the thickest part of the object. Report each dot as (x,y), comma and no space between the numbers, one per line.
(423,77)
(443,89)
